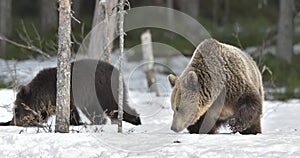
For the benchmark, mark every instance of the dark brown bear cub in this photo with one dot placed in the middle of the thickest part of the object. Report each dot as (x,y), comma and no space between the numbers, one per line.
(94,90)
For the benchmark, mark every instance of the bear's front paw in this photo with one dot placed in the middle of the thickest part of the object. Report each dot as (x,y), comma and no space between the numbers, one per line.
(236,125)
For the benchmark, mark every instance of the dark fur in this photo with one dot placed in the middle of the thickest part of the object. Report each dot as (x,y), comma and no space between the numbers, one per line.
(40,95)
(246,118)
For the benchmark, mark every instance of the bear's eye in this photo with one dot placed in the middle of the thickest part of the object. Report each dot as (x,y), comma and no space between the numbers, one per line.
(176,108)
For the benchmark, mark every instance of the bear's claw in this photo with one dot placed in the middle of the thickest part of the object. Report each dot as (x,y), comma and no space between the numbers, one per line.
(236,125)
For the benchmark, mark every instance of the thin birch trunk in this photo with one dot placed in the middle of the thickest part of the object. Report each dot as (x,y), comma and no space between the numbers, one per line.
(63,68)
(121,88)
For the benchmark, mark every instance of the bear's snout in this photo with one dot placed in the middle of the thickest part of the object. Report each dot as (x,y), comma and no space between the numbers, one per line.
(177,125)
(175,129)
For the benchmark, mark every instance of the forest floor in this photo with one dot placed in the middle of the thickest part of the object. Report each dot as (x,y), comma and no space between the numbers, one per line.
(280,124)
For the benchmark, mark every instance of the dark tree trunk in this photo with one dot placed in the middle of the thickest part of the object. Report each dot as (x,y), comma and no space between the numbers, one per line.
(159,2)
(285,33)
(220,12)
(170,4)
(48,15)
(190,7)
(5,23)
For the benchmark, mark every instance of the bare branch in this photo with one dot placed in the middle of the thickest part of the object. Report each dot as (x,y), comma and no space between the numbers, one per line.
(28,47)
(38,37)
(74,18)
(74,39)
(30,110)
(27,37)
(236,35)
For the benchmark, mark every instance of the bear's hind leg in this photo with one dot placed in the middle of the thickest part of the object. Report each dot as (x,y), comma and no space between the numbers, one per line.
(247,118)
(255,128)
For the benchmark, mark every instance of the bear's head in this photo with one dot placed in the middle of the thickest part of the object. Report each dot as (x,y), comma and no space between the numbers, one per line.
(186,100)
(24,113)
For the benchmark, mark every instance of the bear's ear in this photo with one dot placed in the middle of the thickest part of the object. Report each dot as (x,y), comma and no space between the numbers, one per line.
(172,79)
(24,90)
(192,79)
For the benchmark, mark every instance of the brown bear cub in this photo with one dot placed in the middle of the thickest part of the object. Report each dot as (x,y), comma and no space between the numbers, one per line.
(221,85)
(94,90)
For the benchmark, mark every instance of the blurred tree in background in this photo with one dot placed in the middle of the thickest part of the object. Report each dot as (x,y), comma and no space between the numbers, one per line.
(285,37)
(48,15)
(5,23)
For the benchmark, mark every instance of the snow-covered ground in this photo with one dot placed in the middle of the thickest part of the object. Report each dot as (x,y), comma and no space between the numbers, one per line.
(280,123)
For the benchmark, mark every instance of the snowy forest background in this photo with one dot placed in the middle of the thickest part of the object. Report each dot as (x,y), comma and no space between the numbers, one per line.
(250,25)
(269,30)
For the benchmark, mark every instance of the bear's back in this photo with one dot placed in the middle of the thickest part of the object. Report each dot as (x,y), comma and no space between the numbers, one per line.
(242,67)
(93,77)
(43,87)
(226,66)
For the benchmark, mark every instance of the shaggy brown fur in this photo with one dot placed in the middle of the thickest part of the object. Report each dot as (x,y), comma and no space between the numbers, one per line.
(94,87)
(220,85)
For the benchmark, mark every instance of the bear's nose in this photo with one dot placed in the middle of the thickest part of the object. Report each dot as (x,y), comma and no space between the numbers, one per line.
(175,129)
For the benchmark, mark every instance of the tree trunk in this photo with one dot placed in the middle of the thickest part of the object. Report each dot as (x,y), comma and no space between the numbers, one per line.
(121,87)
(285,33)
(48,14)
(220,13)
(190,7)
(104,26)
(63,68)
(170,13)
(159,2)
(149,60)
(5,23)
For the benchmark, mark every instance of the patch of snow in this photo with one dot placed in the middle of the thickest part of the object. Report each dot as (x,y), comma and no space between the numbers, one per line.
(280,124)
